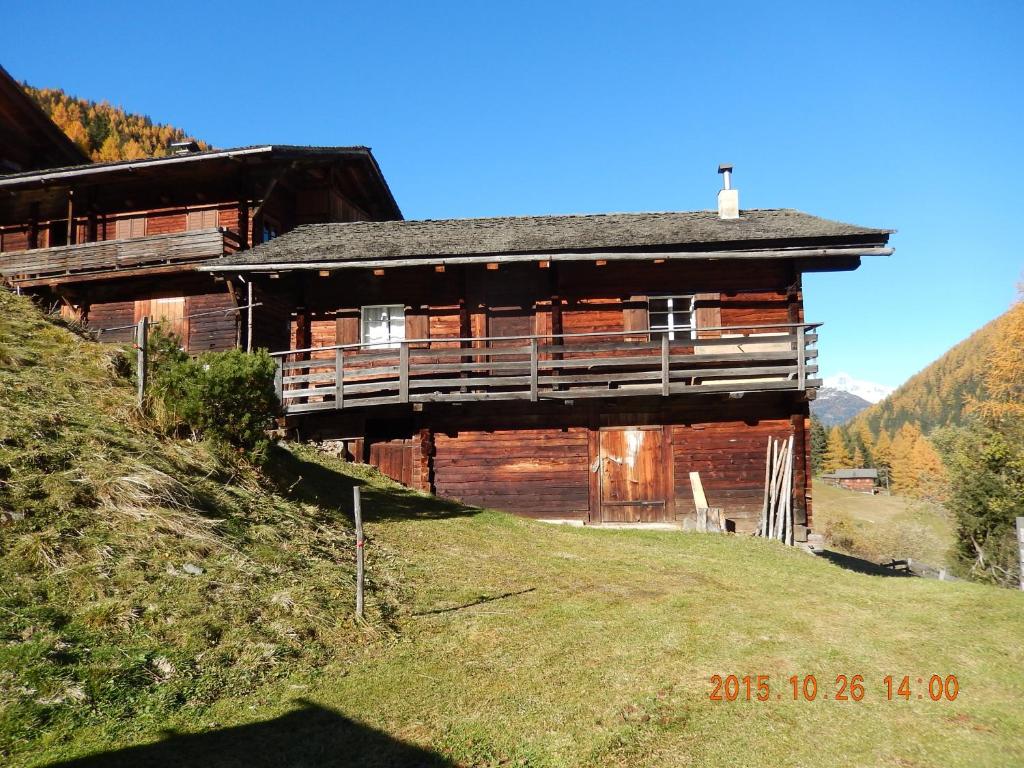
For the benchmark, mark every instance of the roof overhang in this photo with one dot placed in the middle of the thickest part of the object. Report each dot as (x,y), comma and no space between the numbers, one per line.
(809,254)
(213,174)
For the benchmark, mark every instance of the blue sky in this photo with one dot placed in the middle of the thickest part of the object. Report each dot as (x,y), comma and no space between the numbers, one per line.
(901,115)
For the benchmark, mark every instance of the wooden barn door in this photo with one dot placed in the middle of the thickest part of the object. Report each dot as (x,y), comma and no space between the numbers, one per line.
(170,315)
(633,476)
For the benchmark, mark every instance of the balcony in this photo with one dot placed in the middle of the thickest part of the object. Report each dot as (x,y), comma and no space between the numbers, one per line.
(756,358)
(76,262)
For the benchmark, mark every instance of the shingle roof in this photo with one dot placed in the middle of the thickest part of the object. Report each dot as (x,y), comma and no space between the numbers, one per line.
(851,474)
(376,241)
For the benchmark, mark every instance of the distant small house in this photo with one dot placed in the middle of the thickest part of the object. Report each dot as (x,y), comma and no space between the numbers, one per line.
(863,480)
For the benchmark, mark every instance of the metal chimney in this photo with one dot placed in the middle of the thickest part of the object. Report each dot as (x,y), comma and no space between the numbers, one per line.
(184,147)
(728,198)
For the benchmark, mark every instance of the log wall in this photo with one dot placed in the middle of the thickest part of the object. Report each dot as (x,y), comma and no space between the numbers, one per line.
(534,472)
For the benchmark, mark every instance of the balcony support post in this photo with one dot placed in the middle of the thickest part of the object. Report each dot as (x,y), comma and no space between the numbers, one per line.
(403,372)
(801,364)
(664,366)
(33,226)
(279,381)
(339,378)
(534,393)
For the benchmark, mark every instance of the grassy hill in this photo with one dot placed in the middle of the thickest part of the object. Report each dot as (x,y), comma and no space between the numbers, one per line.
(491,640)
(938,395)
(882,527)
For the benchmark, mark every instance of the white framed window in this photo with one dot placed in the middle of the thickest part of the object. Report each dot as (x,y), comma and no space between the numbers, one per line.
(673,315)
(383,325)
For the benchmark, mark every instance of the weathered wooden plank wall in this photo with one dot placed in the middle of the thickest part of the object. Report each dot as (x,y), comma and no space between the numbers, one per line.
(535,472)
(217,331)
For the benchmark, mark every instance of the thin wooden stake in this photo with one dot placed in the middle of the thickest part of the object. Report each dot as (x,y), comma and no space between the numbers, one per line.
(789,497)
(785,491)
(141,342)
(780,478)
(767,476)
(360,542)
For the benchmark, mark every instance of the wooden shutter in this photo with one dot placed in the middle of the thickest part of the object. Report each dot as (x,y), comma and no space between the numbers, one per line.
(130,226)
(417,326)
(347,326)
(708,314)
(635,318)
(201,219)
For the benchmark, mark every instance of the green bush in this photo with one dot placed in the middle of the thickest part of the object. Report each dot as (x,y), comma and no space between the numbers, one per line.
(228,397)
(986,474)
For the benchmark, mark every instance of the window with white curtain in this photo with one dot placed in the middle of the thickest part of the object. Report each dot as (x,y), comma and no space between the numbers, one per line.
(383,325)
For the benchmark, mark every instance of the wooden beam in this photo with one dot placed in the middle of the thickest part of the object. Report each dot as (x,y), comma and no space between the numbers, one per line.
(33,227)
(71,234)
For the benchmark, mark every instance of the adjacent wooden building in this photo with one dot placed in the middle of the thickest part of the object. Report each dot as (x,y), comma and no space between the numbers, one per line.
(112,242)
(860,480)
(564,367)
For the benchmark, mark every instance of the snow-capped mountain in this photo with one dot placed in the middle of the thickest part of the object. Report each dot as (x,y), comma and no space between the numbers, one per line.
(834,406)
(865,389)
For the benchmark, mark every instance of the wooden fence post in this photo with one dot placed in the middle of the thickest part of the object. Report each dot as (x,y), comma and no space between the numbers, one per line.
(141,342)
(1020,544)
(248,323)
(360,541)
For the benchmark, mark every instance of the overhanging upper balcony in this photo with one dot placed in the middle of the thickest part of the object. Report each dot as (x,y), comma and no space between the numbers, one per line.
(756,358)
(72,263)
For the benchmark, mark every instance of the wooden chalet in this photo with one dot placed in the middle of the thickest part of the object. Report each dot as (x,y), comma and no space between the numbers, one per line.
(860,480)
(564,367)
(112,242)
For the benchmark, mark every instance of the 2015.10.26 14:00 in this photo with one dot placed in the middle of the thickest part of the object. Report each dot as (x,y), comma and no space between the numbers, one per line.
(846,688)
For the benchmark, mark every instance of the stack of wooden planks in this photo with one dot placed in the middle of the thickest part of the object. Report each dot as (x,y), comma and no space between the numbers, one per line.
(777,509)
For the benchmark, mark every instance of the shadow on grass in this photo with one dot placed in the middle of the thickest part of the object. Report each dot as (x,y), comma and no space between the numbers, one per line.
(479,601)
(314,483)
(309,736)
(859,565)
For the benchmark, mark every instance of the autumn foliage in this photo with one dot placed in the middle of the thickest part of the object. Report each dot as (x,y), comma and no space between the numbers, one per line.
(953,433)
(104,132)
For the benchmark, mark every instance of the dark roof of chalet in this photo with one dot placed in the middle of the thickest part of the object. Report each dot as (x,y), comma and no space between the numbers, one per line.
(853,474)
(358,242)
(25,129)
(92,169)
(186,165)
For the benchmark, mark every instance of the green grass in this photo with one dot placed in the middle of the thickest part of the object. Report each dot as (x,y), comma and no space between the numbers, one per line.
(882,527)
(490,640)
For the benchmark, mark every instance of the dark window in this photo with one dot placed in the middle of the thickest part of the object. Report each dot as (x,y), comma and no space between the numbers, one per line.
(672,315)
(58,233)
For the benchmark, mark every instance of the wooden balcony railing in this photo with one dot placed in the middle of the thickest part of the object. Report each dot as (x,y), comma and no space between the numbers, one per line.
(567,366)
(21,267)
